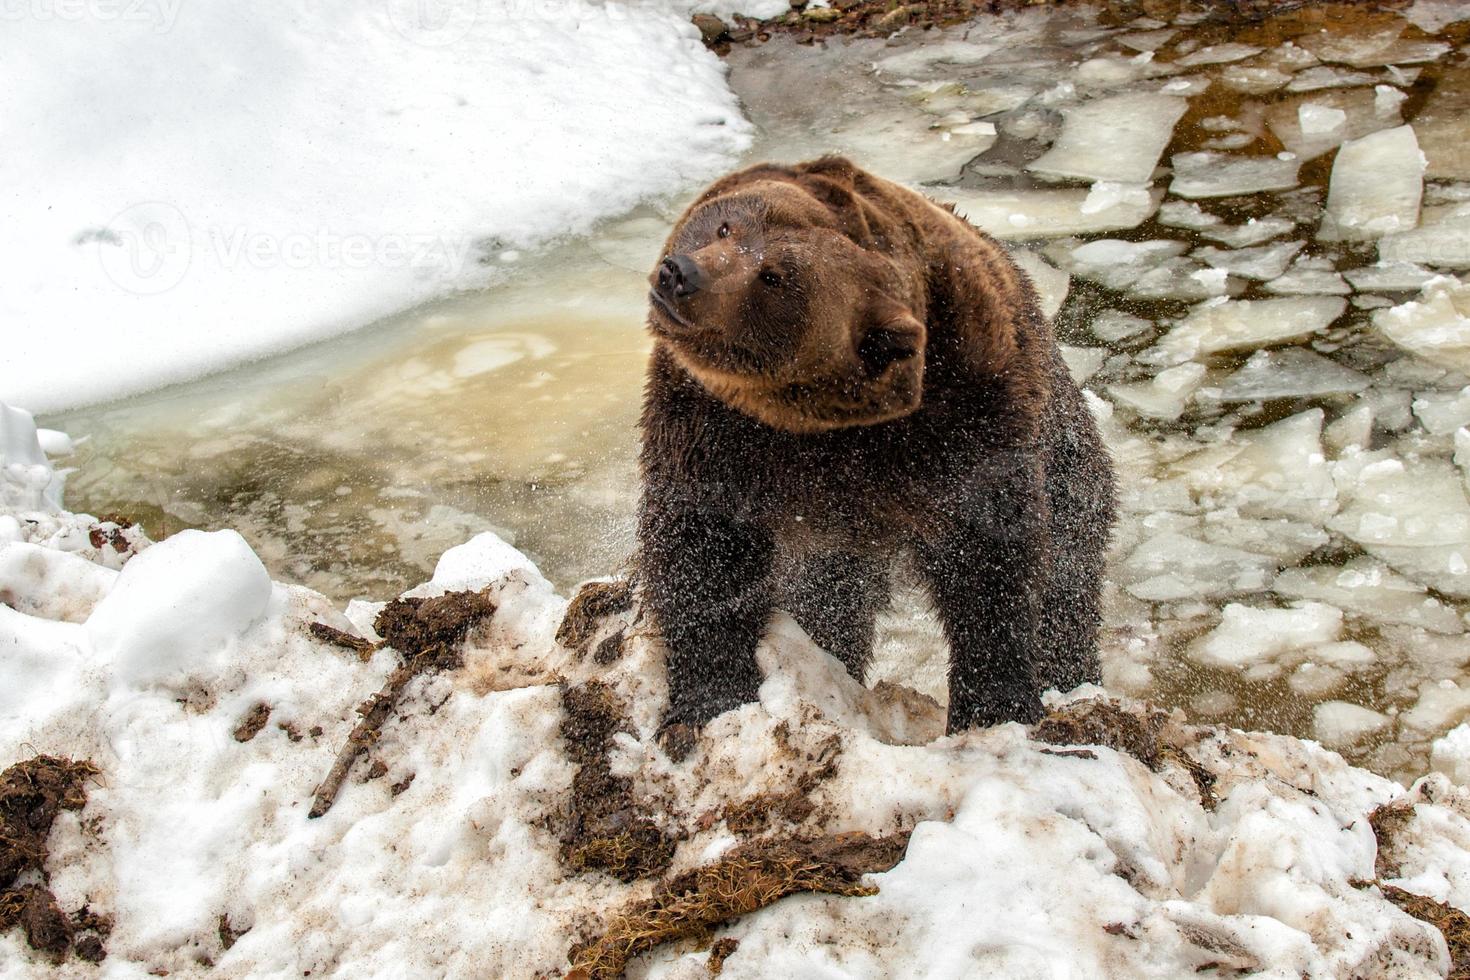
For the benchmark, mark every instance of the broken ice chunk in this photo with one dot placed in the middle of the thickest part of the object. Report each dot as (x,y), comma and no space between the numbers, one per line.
(1390,276)
(904,145)
(1253,80)
(1442,238)
(1052,284)
(1316,120)
(1046,213)
(1119,138)
(1377,182)
(1186,214)
(1436,326)
(1325,77)
(1265,262)
(1114,326)
(1412,514)
(1107,195)
(1171,566)
(1353,428)
(921,59)
(1372,590)
(1384,47)
(1217,54)
(1290,373)
(1151,270)
(1309,276)
(1431,17)
(1247,635)
(1253,232)
(1341,725)
(1286,541)
(1362,115)
(1163,396)
(1442,412)
(1147,40)
(1231,324)
(1083,362)
(1209,174)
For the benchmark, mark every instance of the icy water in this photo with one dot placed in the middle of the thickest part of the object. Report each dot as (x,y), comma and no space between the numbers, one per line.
(1294,544)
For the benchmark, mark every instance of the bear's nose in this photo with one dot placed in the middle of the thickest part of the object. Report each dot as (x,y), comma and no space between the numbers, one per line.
(679,276)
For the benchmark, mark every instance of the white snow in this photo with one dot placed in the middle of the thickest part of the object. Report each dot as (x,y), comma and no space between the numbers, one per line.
(1377,183)
(229,181)
(167,621)
(1208,174)
(1118,138)
(1109,868)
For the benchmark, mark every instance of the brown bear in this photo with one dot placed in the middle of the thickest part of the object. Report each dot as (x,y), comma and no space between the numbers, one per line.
(844,371)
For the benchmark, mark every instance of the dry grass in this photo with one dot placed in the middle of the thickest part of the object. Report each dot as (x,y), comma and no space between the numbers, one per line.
(748,878)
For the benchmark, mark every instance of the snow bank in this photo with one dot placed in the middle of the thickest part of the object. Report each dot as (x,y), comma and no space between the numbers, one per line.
(1154,854)
(222,181)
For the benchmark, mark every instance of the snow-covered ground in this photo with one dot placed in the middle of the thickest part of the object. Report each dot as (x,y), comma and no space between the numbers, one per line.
(1177,850)
(207,182)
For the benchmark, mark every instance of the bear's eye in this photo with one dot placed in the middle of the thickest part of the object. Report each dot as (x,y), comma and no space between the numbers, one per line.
(769,278)
(724,230)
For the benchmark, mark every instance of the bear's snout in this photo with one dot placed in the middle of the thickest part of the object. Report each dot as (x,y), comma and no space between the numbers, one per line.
(678,277)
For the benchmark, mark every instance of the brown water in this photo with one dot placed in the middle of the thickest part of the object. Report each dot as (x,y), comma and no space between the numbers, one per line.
(350,466)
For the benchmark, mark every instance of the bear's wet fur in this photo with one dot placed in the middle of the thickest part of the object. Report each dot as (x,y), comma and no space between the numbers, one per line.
(844,371)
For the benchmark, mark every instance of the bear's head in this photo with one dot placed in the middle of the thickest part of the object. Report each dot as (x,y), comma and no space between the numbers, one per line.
(779,292)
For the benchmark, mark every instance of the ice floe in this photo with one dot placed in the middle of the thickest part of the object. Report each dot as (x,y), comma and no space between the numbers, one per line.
(1218,325)
(1376,186)
(1118,138)
(1208,174)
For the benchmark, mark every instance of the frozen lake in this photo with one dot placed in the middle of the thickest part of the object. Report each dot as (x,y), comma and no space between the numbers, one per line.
(1239,228)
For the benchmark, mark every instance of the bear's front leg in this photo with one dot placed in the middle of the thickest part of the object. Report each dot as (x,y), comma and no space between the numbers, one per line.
(705,576)
(986,572)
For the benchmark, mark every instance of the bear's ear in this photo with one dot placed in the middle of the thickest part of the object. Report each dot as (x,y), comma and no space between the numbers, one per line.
(837,168)
(889,347)
(888,337)
(853,215)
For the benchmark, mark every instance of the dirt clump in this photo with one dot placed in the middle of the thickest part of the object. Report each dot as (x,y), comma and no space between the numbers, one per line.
(745,879)
(1450,921)
(593,603)
(1148,734)
(253,722)
(759,813)
(341,638)
(32,793)
(719,952)
(427,632)
(605,828)
(1388,821)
